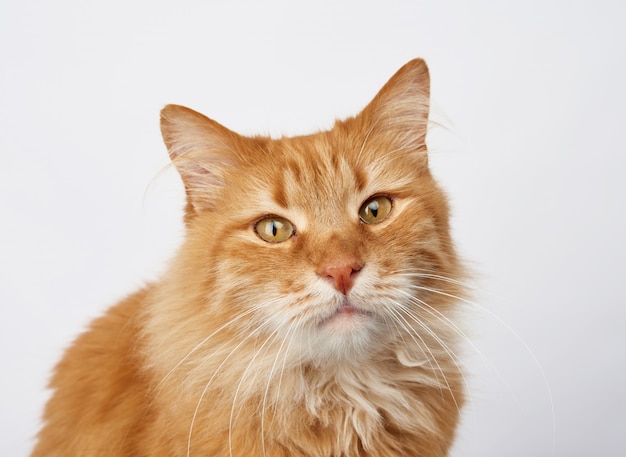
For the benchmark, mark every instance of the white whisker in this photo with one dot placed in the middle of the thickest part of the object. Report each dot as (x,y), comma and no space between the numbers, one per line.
(289,335)
(253,334)
(453,357)
(436,313)
(430,357)
(202,343)
(237,390)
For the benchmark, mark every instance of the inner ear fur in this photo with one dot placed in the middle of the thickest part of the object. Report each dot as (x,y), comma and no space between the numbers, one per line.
(202,151)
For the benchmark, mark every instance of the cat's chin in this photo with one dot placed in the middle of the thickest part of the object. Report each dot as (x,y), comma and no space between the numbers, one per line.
(347,333)
(347,318)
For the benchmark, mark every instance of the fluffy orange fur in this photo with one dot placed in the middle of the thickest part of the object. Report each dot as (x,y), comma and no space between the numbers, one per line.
(338,340)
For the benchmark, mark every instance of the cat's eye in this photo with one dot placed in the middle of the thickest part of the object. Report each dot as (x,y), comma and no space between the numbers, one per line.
(375,209)
(274,229)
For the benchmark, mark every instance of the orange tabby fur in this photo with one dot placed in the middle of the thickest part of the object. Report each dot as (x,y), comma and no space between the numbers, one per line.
(241,349)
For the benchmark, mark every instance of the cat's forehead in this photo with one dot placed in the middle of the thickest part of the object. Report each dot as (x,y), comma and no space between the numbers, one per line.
(320,178)
(314,173)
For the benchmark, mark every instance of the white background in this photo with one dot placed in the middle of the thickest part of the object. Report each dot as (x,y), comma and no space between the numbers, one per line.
(533,158)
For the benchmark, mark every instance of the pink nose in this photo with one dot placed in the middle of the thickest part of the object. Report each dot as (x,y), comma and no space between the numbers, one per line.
(341,274)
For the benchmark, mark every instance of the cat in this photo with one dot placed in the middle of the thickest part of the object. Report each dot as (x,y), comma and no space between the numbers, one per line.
(310,310)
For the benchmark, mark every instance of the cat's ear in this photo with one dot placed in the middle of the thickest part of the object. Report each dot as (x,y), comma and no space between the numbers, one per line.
(401,107)
(202,151)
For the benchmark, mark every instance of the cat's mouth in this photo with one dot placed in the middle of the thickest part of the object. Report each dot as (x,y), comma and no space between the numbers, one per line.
(347,316)
(348,309)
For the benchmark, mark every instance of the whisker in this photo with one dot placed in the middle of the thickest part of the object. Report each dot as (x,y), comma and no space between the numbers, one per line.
(202,343)
(446,349)
(428,275)
(243,376)
(535,360)
(253,334)
(511,330)
(430,357)
(439,315)
(206,388)
(424,306)
(436,313)
(289,333)
(453,357)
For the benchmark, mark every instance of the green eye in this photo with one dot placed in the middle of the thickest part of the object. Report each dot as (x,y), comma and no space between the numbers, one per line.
(375,209)
(274,229)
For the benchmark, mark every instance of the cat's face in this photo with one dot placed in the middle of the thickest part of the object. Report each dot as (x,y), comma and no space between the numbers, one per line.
(330,243)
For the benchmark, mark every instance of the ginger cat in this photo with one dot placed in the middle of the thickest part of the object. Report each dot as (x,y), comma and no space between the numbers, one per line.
(309,311)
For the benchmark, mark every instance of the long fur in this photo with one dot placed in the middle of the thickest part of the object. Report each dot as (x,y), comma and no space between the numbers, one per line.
(241,348)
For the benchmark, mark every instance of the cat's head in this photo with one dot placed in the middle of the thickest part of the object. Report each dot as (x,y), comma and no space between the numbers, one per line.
(335,244)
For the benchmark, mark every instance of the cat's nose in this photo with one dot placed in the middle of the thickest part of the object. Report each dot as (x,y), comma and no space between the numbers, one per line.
(341,274)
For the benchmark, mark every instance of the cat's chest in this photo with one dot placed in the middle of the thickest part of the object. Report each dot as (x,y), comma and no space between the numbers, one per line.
(346,413)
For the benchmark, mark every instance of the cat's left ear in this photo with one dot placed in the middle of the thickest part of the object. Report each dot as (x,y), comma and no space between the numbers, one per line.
(202,151)
(400,109)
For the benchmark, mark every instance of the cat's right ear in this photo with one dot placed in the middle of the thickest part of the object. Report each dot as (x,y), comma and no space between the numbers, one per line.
(202,151)
(400,109)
